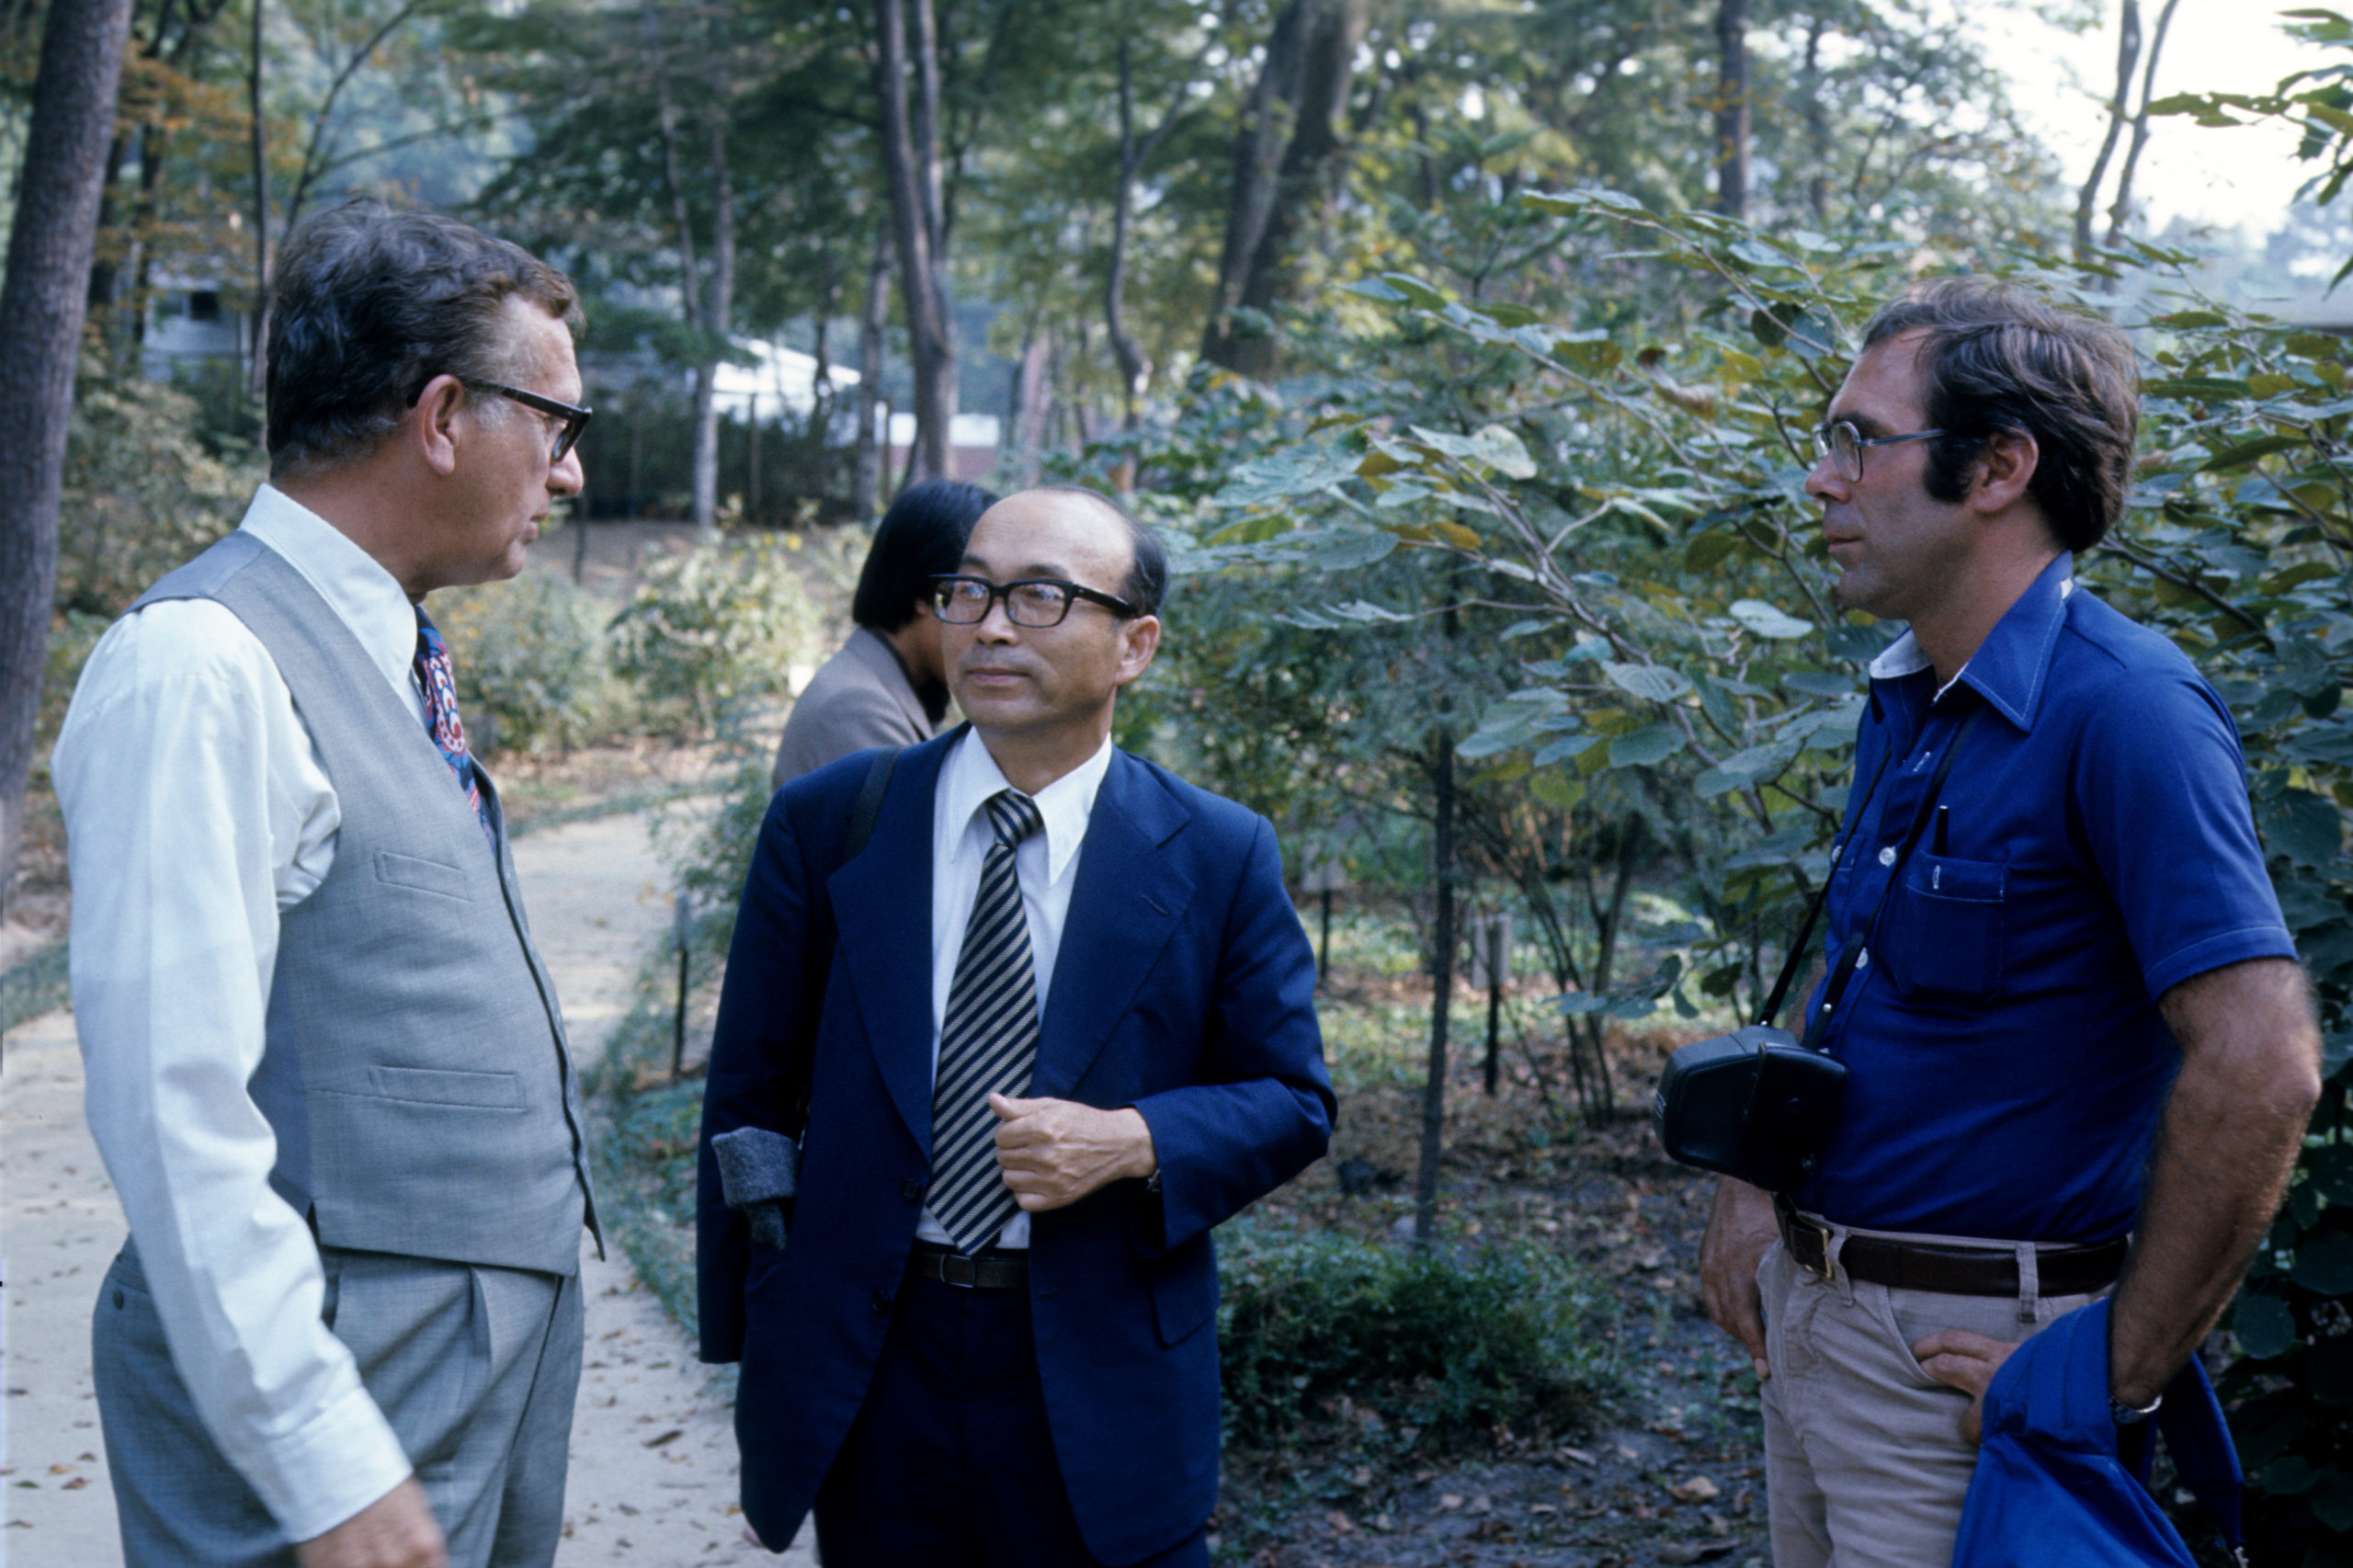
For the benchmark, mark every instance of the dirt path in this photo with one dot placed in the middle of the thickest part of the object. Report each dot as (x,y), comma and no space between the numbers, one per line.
(652,1480)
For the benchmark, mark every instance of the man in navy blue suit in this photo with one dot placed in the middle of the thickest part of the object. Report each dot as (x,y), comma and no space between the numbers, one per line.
(1054,1017)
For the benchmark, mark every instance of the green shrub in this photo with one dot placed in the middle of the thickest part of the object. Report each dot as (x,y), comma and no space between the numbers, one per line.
(1441,1349)
(714,632)
(142,492)
(533,657)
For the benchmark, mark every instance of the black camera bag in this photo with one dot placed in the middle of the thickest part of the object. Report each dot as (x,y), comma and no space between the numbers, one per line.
(1758,1102)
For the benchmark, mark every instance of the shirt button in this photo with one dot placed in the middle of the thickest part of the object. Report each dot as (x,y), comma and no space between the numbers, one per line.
(1863,958)
(882,1304)
(1887,854)
(911,1190)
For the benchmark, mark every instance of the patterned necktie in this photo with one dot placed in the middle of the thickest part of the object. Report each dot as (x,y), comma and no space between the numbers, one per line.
(440,683)
(989,1042)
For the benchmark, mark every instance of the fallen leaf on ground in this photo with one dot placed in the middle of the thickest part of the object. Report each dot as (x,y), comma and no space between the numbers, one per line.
(1699,1489)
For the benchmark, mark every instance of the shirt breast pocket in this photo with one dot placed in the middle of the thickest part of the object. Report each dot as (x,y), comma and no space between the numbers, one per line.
(1944,940)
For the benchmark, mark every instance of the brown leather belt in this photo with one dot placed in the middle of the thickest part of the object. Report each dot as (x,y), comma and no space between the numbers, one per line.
(1952,1270)
(990,1271)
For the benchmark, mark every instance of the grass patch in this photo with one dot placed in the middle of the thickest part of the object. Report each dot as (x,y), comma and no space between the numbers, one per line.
(1319,1333)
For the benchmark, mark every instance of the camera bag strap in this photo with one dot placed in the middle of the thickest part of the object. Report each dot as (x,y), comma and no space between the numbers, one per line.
(1850,956)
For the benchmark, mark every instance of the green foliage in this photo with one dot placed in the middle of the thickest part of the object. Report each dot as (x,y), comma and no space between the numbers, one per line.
(2237,547)
(1445,1348)
(533,658)
(1635,496)
(143,492)
(714,630)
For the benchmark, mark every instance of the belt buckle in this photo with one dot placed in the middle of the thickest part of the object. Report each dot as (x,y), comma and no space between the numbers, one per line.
(1827,1272)
(955,1262)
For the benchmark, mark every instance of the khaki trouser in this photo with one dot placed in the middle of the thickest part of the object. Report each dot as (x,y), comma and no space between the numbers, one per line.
(1864,1462)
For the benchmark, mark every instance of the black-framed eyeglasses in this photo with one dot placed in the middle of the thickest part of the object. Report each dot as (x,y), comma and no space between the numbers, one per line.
(1034,602)
(1843,441)
(575,417)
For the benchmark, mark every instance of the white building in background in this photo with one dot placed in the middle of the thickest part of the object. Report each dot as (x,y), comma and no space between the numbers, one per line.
(188,324)
(783,381)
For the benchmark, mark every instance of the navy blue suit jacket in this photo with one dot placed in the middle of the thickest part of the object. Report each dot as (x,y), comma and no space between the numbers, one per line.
(1184,988)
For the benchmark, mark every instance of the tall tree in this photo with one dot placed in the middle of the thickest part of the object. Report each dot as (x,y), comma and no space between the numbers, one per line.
(1732,108)
(1285,157)
(41,306)
(911,160)
(256,366)
(873,319)
(1135,366)
(2128,54)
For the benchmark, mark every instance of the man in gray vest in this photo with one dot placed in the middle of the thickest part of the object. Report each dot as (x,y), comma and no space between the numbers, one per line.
(325,1065)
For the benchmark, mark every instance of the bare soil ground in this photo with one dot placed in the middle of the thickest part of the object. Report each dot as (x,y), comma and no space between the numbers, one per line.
(1670,1469)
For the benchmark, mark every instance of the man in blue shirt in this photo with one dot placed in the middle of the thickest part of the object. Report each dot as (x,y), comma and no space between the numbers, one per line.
(2080,1051)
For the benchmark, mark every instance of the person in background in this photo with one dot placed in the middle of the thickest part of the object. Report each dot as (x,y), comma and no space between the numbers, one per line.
(887,686)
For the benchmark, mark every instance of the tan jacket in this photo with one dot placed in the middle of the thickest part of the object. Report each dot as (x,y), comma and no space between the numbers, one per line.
(860,697)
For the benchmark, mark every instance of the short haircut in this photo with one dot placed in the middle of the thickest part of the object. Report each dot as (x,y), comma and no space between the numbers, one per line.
(1146,583)
(369,305)
(1997,357)
(921,537)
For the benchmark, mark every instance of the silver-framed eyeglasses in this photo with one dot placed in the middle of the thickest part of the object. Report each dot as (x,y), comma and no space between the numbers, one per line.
(1033,602)
(1841,440)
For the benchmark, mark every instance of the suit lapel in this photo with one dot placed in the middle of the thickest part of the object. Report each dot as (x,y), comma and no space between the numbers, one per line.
(883,909)
(1123,908)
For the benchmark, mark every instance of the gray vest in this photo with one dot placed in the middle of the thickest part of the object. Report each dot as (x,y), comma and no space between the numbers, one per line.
(415,1072)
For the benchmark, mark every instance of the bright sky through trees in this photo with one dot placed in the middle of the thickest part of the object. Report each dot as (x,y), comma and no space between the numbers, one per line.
(2228,179)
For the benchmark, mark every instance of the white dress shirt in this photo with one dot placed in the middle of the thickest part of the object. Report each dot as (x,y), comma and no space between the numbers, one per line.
(197,811)
(1047,862)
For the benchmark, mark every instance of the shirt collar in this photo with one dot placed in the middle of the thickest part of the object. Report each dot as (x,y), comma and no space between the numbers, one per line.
(2011,667)
(370,599)
(1065,804)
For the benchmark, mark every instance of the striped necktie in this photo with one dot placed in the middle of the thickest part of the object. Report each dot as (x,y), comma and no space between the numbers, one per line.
(989,1041)
(440,683)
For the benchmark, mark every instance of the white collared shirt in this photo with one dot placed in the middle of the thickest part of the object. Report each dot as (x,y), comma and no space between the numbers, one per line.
(1047,862)
(197,811)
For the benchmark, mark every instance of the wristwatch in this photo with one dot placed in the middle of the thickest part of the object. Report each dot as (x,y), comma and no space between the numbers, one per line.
(2125,1415)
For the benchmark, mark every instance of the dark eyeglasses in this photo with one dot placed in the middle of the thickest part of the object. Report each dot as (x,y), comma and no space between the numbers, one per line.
(1033,602)
(575,418)
(1843,441)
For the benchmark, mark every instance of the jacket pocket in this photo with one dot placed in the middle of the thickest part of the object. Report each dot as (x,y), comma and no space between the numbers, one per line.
(439,1086)
(1945,930)
(1184,1297)
(425,876)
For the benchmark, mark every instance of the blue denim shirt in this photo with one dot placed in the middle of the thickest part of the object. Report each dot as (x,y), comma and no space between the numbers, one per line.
(2006,1059)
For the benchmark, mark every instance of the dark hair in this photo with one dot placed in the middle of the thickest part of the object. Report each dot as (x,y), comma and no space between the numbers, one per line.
(1996,358)
(920,538)
(1147,580)
(369,305)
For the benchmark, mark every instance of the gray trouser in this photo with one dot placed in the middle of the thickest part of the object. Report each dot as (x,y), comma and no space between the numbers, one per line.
(475,1368)
(1864,1462)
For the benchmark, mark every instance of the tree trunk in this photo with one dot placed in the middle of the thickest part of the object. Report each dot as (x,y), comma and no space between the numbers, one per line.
(1732,108)
(1817,125)
(706,495)
(258,369)
(873,317)
(1135,366)
(1441,995)
(1284,158)
(2121,211)
(910,141)
(719,300)
(41,304)
(2128,53)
